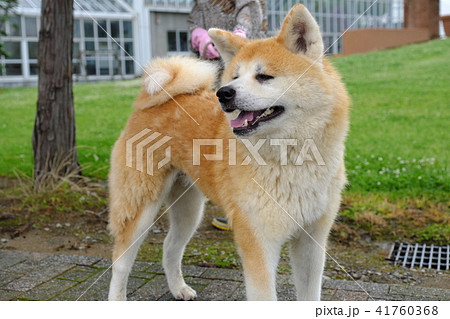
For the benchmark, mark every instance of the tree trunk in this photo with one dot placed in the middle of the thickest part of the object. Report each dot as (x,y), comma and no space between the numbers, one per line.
(54,129)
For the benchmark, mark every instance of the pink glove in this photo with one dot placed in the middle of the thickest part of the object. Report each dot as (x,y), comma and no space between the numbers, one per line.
(200,39)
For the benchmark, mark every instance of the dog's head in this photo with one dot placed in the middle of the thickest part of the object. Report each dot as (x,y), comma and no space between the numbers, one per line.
(274,85)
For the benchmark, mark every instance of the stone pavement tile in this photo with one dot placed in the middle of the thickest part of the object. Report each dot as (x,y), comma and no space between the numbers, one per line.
(411,298)
(73,259)
(193,271)
(48,271)
(142,274)
(60,299)
(169,297)
(79,273)
(9,258)
(6,295)
(152,290)
(433,293)
(21,284)
(286,293)
(25,266)
(327,294)
(94,288)
(156,269)
(391,298)
(103,263)
(48,289)
(219,290)
(38,256)
(348,295)
(374,289)
(7,277)
(225,274)
(24,255)
(197,281)
(141,266)
(137,266)
(284,279)
(239,294)
(133,285)
(190,270)
(99,290)
(147,281)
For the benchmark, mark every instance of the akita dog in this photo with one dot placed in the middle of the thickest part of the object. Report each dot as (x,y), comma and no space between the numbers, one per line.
(278,95)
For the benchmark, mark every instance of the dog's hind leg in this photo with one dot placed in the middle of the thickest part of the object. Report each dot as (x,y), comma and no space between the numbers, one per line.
(126,247)
(185,215)
(307,252)
(129,236)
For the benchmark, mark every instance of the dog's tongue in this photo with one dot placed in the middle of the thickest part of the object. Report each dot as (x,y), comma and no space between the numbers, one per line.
(239,121)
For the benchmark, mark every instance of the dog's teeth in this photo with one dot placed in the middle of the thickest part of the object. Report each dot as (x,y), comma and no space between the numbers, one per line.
(267,112)
(235,114)
(245,123)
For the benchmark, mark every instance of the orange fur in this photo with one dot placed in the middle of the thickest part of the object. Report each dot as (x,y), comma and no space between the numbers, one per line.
(232,186)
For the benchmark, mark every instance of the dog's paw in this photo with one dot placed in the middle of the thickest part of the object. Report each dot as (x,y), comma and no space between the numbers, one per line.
(185,293)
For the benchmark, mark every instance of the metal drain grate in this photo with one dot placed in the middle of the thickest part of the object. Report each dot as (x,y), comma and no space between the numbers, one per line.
(422,256)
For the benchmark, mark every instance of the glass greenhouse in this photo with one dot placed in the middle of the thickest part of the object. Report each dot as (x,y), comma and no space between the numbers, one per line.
(114,38)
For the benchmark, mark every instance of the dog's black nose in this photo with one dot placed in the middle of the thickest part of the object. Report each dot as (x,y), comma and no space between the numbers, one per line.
(226,94)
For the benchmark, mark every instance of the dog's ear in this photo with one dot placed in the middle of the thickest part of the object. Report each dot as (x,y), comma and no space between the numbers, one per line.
(300,33)
(227,43)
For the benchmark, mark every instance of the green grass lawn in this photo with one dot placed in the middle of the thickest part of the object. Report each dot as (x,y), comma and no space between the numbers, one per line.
(399,136)
(101,108)
(398,143)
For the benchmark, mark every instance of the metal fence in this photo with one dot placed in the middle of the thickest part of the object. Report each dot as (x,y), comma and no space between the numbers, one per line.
(336,16)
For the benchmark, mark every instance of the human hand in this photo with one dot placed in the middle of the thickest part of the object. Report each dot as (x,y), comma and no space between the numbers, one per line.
(202,43)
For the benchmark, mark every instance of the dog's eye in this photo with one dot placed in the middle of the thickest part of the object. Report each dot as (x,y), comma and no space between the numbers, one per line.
(263,77)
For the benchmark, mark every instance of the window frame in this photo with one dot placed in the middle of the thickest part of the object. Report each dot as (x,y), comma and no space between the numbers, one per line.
(178,32)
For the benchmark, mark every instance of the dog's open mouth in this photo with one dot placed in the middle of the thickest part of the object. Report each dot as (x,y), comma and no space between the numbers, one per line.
(247,121)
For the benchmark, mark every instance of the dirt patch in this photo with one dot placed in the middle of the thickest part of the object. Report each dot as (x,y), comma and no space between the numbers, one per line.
(45,242)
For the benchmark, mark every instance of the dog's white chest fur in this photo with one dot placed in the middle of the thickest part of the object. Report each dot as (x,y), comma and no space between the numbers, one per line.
(283,199)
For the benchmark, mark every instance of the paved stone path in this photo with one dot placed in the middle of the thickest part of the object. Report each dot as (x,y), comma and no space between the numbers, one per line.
(39,276)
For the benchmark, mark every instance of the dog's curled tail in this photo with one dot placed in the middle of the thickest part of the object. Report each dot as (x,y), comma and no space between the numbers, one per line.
(165,78)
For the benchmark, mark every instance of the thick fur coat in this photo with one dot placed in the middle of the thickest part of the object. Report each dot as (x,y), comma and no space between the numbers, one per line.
(278,173)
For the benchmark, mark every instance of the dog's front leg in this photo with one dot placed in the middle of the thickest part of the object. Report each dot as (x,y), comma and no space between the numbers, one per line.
(260,259)
(307,252)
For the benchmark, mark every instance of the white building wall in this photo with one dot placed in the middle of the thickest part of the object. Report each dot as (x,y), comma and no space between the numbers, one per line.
(334,17)
(143,35)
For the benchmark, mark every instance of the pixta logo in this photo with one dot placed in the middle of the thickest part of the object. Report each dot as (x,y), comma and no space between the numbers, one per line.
(142,147)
